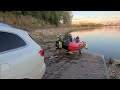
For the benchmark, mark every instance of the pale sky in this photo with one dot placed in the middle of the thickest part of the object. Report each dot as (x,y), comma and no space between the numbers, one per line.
(96,16)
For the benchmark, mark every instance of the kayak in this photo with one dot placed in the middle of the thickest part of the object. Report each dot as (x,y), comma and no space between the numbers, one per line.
(76,46)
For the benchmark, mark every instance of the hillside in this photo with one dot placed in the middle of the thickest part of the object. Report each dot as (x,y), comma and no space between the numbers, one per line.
(31,20)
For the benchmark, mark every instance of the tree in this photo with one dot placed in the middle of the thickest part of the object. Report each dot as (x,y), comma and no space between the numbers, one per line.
(67,17)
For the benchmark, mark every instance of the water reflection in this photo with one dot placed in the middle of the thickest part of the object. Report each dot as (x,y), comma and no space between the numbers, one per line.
(104,40)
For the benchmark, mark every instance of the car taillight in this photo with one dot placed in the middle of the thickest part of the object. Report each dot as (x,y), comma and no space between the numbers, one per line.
(42,52)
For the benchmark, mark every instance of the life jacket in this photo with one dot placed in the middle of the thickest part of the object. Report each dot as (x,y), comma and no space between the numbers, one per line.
(58,44)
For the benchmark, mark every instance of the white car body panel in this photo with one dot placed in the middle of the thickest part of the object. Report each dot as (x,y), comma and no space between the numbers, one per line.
(23,62)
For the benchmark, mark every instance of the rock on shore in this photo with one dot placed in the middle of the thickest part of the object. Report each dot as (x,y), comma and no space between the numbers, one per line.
(114,68)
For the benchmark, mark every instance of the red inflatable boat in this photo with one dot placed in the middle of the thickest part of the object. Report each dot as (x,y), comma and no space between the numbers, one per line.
(73,46)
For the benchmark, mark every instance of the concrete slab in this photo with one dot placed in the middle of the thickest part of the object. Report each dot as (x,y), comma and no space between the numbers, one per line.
(85,66)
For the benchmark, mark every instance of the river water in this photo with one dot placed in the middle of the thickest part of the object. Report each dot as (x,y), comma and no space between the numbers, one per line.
(104,40)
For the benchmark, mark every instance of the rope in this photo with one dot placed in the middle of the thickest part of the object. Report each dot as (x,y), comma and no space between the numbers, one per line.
(52,56)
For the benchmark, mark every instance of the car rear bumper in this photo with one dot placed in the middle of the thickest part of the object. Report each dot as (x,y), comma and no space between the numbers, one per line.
(43,69)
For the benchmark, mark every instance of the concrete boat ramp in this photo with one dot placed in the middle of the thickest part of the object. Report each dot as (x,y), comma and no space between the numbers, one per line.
(85,66)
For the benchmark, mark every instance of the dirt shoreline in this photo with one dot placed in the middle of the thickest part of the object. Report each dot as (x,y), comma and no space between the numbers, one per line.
(47,37)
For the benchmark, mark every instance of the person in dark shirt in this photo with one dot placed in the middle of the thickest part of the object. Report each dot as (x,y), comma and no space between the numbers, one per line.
(70,38)
(77,39)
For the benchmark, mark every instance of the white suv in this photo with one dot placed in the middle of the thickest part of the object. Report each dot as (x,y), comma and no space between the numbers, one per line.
(20,56)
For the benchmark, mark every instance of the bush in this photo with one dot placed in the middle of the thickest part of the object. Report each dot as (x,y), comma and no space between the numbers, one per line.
(35,19)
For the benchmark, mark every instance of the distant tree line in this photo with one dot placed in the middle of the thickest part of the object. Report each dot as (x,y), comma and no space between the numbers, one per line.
(52,17)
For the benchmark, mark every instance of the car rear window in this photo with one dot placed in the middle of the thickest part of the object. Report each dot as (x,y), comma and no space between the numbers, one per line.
(9,41)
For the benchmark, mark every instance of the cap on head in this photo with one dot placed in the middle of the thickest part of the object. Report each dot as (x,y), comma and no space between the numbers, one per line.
(77,37)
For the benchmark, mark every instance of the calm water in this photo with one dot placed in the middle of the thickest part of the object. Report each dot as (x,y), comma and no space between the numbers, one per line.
(105,40)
